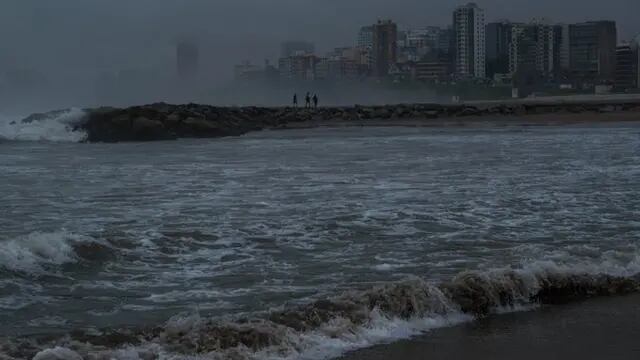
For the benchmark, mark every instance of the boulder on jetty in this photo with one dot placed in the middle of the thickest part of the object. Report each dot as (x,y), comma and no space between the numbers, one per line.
(163,121)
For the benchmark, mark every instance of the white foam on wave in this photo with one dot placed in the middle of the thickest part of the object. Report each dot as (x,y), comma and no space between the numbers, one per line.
(338,337)
(34,252)
(432,310)
(58,127)
(619,262)
(57,353)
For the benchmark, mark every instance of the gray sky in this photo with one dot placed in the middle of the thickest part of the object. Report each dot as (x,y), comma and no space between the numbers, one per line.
(74,41)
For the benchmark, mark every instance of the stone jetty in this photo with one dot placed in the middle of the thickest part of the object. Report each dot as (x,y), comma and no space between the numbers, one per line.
(163,121)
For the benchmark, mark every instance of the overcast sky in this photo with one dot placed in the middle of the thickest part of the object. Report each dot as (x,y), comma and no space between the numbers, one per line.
(81,38)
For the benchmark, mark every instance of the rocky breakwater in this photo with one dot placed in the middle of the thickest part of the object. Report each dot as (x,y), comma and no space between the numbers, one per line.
(165,122)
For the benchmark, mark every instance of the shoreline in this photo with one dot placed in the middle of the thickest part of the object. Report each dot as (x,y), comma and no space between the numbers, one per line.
(396,310)
(163,121)
(477,121)
(603,328)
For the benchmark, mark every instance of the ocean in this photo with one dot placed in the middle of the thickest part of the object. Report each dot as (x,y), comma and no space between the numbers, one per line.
(298,244)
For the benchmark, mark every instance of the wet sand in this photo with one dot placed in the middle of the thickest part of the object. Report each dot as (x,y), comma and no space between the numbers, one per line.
(591,119)
(605,328)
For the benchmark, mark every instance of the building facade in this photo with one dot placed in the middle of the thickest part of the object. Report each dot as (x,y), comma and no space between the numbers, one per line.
(592,51)
(562,48)
(470,49)
(365,37)
(498,47)
(627,63)
(432,71)
(348,63)
(385,47)
(298,67)
(532,48)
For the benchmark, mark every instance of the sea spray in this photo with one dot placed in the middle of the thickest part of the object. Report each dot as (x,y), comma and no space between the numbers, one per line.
(36,253)
(56,126)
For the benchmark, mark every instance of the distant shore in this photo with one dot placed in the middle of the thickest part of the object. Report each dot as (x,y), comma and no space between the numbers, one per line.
(166,122)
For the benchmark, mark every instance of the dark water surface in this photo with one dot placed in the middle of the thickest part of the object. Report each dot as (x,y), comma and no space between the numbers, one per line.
(96,236)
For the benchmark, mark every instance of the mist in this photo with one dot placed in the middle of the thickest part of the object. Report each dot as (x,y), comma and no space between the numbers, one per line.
(88,52)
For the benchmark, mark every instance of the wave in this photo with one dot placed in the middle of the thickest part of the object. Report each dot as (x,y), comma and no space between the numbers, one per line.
(330,327)
(56,126)
(41,253)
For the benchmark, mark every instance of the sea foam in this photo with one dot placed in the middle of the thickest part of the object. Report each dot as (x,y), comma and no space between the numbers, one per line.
(57,126)
(36,252)
(355,319)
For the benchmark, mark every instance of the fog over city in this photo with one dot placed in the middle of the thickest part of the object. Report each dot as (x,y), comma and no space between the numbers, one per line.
(67,52)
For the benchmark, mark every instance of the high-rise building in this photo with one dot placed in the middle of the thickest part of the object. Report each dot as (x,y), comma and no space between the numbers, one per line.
(627,63)
(298,67)
(385,47)
(432,70)
(423,38)
(346,63)
(187,59)
(592,51)
(532,48)
(417,44)
(562,49)
(469,32)
(365,37)
(293,48)
(498,43)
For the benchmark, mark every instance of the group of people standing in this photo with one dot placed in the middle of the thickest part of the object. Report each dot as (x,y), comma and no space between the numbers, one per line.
(307,99)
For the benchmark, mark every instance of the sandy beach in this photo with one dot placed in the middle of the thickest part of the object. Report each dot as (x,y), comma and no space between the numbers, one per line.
(605,328)
(478,121)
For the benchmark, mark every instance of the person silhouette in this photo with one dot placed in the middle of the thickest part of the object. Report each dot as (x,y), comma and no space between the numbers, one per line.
(295,100)
(315,101)
(308,101)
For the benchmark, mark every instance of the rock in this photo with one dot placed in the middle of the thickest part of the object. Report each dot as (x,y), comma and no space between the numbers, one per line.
(164,121)
(519,110)
(431,114)
(161,108)
(199,127)
(470,111)
(144,129)
(365,113)
(506,110)
(607,109)
(382,113)
(123,120)
(173,119)
(142,124)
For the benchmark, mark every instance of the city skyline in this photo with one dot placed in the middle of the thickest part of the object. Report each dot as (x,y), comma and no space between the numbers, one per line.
(538,53)
(141,23)
(73,45)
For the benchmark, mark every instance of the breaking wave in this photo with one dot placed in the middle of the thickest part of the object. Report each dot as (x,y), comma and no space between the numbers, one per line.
(40,253)
(57,126)
(328,328)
